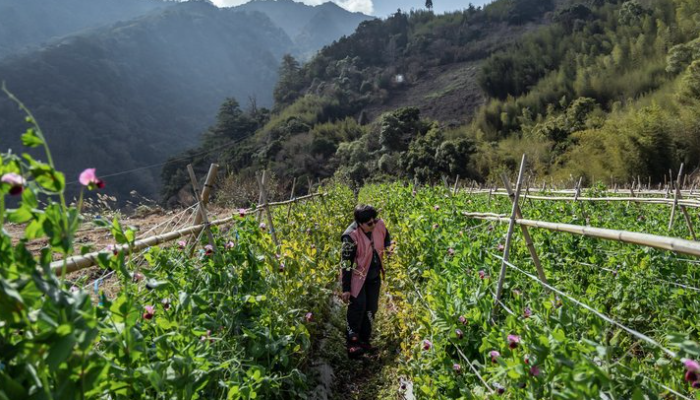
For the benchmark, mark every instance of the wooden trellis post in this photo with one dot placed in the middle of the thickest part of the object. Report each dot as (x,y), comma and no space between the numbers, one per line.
(206,191)
(677,196)
(526,232)
(266,207)
(260,197)
(291,197)
(509,236)
(578,189)
(454,189)
(202,208)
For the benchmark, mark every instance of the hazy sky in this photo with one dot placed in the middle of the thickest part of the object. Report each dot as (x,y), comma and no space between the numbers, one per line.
(381,8)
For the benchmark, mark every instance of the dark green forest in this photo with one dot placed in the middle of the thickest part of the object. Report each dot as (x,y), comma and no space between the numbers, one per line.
(604,89)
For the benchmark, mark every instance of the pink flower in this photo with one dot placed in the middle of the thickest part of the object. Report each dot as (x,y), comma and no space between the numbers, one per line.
(413,193)
(535,370)
(499,389)
(427,344)
(206,337)
(181,244)
(462,320)
(74,289)
(490,228)
(695,385)
(494,355)
(451,251)
(208,250)
(501,247)
(137,277)
(282,266)
(15,181)
(513,341)
(526,359)
(461,233)
(113,249)
(150,311)
(263,226)
(527,312)
(691,376)
(691,365)
(459,333)
(241,212)
(457,368)
(89,178)
(309,317)
(436,208)
(435,226)
(482,274)
(166,304)
(230,245)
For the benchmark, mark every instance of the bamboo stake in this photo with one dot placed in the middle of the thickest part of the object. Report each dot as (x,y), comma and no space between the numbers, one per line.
(266,208)
(682,246)
(526,233)
(578,189)
(202,207)
(509,236)
(291,197)
(684,202)
(677,196)
(260,198)
(80,262)
(206,191)
(454,189)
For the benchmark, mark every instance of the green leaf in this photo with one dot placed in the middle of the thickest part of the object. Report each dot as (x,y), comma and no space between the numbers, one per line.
(19,215)
(31,139)
(233,391)
(61,349)
(47,177)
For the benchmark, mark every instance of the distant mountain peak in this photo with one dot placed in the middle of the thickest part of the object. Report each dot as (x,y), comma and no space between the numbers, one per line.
(310,27)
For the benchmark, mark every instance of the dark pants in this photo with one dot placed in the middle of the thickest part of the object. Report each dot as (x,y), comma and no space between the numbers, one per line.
(361,312)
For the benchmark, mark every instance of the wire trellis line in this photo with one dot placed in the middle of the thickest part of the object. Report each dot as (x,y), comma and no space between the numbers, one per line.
(600,315)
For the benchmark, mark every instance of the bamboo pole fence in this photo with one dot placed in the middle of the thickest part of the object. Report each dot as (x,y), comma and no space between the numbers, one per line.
(81,262)
(684,202)
(660,242)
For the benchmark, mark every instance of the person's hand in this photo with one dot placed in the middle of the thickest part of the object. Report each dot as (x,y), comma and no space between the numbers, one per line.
(346,297)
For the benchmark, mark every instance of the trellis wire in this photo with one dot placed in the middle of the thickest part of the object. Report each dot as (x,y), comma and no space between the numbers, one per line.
(471,366)
(87,260)
(594,311)
(653,279)
(509,311)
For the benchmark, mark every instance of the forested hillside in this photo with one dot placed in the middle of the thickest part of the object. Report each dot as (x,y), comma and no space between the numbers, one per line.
(133,94)
(128,95)
(606,89)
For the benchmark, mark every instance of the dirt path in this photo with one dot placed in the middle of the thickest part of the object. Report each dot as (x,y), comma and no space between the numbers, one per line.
(372,377)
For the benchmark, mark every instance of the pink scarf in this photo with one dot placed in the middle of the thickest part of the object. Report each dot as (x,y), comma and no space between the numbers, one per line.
(363,258)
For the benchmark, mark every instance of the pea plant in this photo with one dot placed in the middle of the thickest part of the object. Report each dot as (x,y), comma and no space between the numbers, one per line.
(235,321)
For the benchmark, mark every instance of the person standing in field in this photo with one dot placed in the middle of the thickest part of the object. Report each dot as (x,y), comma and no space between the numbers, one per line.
(363,246)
